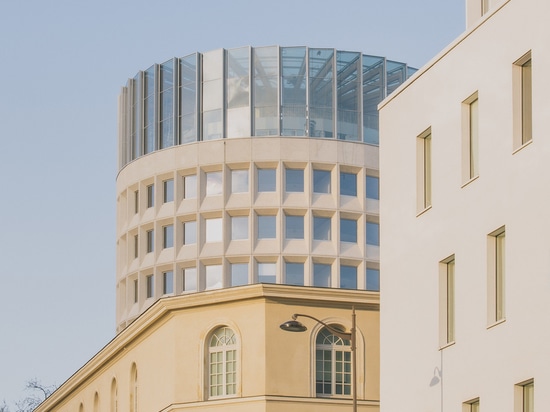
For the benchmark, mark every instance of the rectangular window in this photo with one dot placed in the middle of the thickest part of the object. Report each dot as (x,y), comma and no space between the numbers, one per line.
(239,181)
(294,180)
(168,282)
(372,187)
(523,100)
(471,406)
(267,272)
(496,255)
(136,201)
(214,230)
(348,184)
(190,187)
(136,291)
(149,280)
(150,196)
(321,228)
(447,301)
(373,280)
(294,227)
(484,6)
(424,170)
(190,280)
(470,138)
(213,183)
(150,241)
(239,227)
(373,233)
(168,236)
(136,246)
(214,279)
(239,274)
(294,273)
(348,277)
(321,181)
(190,233)
(267,180)
(348,230)
(168,190)
(267,227)
(524,397)
(321,275)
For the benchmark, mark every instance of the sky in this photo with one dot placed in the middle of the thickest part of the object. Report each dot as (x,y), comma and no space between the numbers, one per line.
(62,64)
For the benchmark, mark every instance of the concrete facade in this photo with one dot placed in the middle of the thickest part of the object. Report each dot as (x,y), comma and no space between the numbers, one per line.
(464,165)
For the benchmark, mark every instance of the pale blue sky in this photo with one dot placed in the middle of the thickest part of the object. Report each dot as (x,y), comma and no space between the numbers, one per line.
(62,63)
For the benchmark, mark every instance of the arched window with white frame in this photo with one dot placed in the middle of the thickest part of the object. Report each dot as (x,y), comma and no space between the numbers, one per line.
(222,363)
(333,368)
(134,389)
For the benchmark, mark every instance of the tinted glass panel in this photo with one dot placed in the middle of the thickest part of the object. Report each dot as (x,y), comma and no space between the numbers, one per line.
(321,228)
(190,279)
(239,181)
(373,279)
(214,230)
(373,187)
(168,235)
(266,272)
(189,233)
(214,278)
(294,180)
(293,93)
(348,277)
(348,230)
(321,275)
(267,227)
(321,181)
(168,186)
(373,93)
(349,95)
(321,77)
(214,183)
(239,274)
(168,282)
(266,180)
(239,227)
(190,186)
(294,273)
(348,184)
(373,234)
(294,227)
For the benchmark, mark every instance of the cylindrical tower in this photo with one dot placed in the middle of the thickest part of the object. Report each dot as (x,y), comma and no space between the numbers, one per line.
(249,165)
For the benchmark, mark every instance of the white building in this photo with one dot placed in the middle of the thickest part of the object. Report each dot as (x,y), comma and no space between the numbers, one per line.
(464,241)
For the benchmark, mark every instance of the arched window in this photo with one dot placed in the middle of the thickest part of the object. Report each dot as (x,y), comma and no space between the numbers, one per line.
(332,365)
(222,363)
(134,389)
(114,396)
(96,402)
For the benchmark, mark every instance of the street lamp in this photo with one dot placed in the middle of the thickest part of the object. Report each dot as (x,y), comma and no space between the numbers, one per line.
(295,326)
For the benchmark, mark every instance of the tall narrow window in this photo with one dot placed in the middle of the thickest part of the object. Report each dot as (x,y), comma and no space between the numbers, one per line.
(150,286)
(222,363)
(96,402)
(150,241)
(134,389)
(168,190)
(136,246)
(150,196)
(168,282)
(190,279)
(484,6)
(213,183)
(239,227)
(523,101)
(470,137)
(190,233)
(136,201)
(136,291)
(447,300)
(332,365)
(372,230)
(321,181)
(496,278)
(424,170)
(114,396)
(190,187)
(524,396)
(373,279)
(168,236)
(471,406)
(372,188)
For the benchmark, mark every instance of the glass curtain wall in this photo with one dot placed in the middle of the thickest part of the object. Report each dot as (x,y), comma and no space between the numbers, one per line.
(166,101)
(293,91)
(266,91)
(149,110)
(135,132)
(212,94)
(188,98)
(321,86)
(237,91)
(348,88)
(373,93)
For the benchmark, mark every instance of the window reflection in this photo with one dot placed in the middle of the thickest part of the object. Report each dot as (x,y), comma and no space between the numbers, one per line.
(266,86)
(321,76)
(188,99)
(166,104)
(294,273)
(293,93)
(239,274)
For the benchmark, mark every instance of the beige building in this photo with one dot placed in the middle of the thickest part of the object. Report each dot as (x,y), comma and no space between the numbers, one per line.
(464,250)
(223,350)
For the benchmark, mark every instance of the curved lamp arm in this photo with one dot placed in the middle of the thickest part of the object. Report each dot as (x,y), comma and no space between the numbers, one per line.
(332,329)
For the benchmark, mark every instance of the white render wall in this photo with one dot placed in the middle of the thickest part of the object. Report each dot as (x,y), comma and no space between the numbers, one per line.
(243,153)
(512,190)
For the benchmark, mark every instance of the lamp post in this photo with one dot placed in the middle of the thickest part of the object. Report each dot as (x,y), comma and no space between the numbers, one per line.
(295,326)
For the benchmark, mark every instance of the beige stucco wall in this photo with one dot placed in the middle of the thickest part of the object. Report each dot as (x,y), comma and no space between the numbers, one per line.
(275,368)
(487,360)
(250,154)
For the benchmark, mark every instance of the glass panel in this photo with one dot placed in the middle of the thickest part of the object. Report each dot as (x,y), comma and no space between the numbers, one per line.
(373,280)
(239,274)
(474,138)
(237,81)
(214,278)
(239,181)
(321,181)
(321,77)
(294,180)
(348,230)
(149,280)
(190,186)
(149,110)
(267,227)
(239,227)
(188,99)
(348,184)
(168,282)
(167,104)
(373,93)
(294,273)
(214,183)
(212,125)
(321,275)
(168,186)
(348,277)
(136,116)
(529,397)
(293,95)
(266,86)
(189,233)
(397,74)
(373,234)
(321,228)
(150,196)
(267,272)
(214,230)
(190,280)
(266,180)
(348,94)
(294,227)
(526,102)
(372,187)
(168,236)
